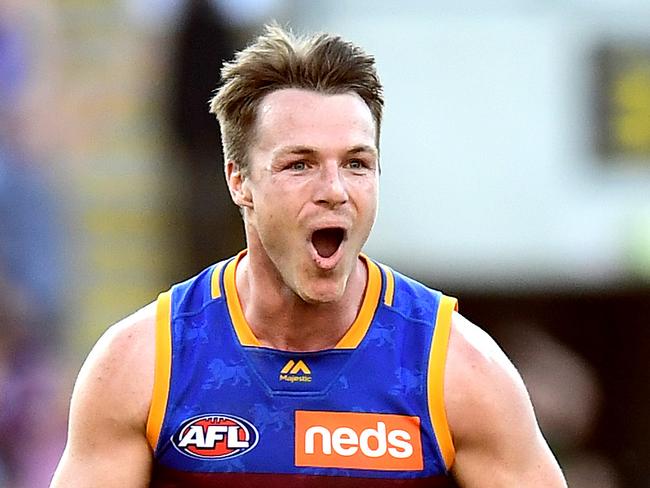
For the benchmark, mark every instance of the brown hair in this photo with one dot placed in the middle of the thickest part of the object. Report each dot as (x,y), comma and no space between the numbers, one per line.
(278,59)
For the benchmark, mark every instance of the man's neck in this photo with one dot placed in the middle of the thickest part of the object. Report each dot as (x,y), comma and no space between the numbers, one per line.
(280,319)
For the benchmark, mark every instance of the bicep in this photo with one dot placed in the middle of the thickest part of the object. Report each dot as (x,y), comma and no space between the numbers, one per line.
(497,439)
(123,464)
(506,452)
(106,444)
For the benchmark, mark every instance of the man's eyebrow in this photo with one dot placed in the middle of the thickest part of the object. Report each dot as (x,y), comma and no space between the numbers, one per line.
(301,150)
(310,151)
(362,149)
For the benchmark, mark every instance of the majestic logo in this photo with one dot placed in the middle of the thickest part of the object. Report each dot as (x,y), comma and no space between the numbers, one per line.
(358,440)
(295,371)
(215,436)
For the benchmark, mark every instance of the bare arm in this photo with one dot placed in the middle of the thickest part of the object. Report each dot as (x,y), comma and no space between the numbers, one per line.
(497,440)
(106,439)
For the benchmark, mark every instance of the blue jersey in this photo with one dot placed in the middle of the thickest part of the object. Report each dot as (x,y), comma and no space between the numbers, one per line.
(227,411)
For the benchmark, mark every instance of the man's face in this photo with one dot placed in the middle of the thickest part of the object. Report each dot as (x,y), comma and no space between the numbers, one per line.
(312,187)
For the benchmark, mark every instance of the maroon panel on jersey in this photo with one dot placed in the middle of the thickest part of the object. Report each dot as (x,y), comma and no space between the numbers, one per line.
(171,478)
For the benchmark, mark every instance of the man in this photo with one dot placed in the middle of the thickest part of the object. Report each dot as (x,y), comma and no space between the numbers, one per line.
(301,362)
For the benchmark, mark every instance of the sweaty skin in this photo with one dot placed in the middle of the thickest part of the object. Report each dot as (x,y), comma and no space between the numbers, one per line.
(313,164)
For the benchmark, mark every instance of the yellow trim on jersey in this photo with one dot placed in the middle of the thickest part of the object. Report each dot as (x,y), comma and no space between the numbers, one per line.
(359,327)
(242,329)
(436,378)
(162,369)
(352,337)
(215,285)
(390,286)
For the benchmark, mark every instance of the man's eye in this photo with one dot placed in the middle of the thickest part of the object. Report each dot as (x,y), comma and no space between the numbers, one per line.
(356,164)
(298,165)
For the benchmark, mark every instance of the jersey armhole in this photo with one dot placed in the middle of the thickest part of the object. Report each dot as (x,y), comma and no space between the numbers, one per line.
(162,369)
(436,379)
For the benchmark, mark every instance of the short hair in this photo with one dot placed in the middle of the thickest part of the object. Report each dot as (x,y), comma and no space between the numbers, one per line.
(278,59)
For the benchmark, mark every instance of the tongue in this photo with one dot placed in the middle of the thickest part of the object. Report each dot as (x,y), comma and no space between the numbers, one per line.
(326,241)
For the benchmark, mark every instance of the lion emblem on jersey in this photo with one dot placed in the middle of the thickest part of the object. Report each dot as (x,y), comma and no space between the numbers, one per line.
(222,373)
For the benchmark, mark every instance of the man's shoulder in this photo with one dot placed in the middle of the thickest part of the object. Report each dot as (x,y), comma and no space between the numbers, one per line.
(109,407)
(482,386)
(472,345)
(475,360)
(130,338)
(117,376)
(491,417)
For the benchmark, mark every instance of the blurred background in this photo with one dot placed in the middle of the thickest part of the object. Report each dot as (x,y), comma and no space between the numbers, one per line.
(516,176)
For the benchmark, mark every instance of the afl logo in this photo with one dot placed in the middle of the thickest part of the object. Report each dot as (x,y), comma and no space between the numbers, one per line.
(215,436)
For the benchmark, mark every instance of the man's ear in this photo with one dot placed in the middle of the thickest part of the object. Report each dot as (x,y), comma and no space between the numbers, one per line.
(238,184)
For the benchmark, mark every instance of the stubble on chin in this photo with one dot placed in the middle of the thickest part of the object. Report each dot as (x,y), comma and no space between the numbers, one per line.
(326,287)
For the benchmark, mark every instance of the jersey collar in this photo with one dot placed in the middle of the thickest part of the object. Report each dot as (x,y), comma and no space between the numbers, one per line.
(350,340)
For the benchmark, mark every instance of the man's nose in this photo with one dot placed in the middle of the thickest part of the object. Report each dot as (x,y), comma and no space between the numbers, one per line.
(331,186)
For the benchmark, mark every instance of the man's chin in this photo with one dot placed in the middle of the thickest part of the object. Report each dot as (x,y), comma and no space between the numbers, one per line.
(321,295)
(319,286)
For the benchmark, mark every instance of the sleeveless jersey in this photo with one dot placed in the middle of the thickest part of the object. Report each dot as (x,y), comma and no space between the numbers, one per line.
(227,411)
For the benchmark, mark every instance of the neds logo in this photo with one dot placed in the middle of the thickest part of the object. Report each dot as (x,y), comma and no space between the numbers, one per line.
(358,440)
(215,436)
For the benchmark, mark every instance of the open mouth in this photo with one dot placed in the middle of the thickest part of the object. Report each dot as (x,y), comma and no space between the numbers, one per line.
(327,241)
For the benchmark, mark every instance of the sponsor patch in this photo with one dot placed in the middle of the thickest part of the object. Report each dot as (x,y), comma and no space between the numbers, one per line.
(295,372)
(215,436)
(358,440)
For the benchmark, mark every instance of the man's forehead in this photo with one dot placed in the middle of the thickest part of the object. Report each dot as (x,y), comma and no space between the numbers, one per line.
(292,106)
(300,120)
